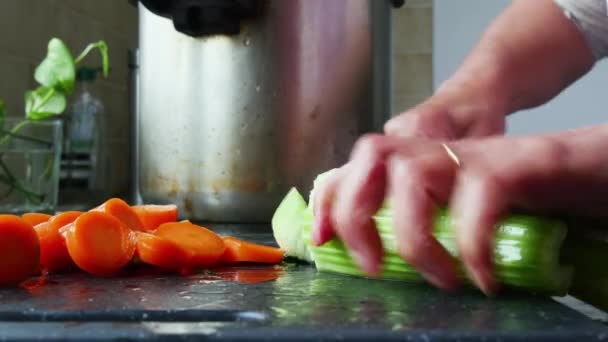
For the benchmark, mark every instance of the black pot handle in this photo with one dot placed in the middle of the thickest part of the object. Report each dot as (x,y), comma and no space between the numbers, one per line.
(397,3)
(197,18)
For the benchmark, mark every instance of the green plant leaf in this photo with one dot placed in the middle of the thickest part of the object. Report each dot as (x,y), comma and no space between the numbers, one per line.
(103,50)
(43,103)
(58,69)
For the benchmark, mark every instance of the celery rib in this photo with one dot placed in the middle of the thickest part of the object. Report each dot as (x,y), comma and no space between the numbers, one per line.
(526,253)
(526,248)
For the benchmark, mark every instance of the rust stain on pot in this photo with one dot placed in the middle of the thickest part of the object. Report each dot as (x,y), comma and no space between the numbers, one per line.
(188,208)
(160,184)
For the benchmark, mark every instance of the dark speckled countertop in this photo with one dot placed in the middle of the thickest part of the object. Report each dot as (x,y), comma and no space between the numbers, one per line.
(291,301)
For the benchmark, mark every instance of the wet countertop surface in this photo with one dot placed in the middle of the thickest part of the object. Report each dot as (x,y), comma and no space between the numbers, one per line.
(292,301)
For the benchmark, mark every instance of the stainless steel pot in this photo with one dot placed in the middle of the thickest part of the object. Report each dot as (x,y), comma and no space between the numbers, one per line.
(229,122)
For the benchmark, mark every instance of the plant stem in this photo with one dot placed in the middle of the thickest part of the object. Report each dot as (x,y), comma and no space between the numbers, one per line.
(86,52)
(24,137)
(45,99)
(13,131)
(13,182)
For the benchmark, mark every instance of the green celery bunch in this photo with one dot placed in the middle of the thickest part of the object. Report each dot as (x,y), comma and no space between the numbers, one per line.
(526,253)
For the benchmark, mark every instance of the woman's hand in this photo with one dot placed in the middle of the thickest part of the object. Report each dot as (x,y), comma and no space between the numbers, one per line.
(446,116)
(491,175)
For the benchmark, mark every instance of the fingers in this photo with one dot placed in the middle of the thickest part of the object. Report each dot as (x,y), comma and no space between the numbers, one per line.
(359,195)
(324,196)
(411,184)
(476,206)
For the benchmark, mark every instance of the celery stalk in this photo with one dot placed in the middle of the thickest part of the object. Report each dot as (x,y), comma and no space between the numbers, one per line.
(526,256)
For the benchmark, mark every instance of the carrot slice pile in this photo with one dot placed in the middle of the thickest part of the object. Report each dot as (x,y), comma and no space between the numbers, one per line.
(158,251)
(99,243)
(202,246)
(113,235)
(54,256)
(122,211)
(152,216)
(242,251)
(35,218)
(19,250)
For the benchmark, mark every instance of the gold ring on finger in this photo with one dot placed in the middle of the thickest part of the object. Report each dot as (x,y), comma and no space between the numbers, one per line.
(451,153)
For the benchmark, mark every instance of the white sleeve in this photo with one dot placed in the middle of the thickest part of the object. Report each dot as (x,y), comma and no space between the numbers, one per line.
(591,17)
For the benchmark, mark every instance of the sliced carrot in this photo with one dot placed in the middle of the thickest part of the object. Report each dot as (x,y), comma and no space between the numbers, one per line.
(35,218)
(99,243)
(19,250)
(64,218)
(158,251)
(122,211)
(54,256)
(152,215)
(202,246)
(242,251)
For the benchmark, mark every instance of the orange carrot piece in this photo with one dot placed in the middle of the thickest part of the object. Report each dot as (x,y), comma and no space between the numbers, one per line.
(153,215)
(19,250)
(54,256)
(35,218)
(158,251)
(64,218)
(99,243)
(242,251)
(202,246)
(122,211)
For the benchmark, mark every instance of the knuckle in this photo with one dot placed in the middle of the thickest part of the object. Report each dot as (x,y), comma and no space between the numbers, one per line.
(403,123)
(546,147)
(409,168)
(368,144)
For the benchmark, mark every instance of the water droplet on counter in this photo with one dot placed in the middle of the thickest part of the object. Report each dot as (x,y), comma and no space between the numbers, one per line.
(247,42)
(143,299)
(185,294)
(132,287)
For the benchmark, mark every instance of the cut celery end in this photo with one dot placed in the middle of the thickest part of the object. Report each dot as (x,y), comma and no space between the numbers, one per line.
(287,226)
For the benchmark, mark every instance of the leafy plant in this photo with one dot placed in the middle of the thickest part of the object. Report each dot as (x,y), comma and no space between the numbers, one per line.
(56,75)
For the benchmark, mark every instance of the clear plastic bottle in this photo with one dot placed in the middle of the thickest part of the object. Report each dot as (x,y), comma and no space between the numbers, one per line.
(87,127)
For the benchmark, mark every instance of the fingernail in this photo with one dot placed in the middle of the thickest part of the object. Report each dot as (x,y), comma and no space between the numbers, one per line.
(366,262)
(442,278)
(319,229)
(316,236)
(485,281)
(316,230)
(438,281)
